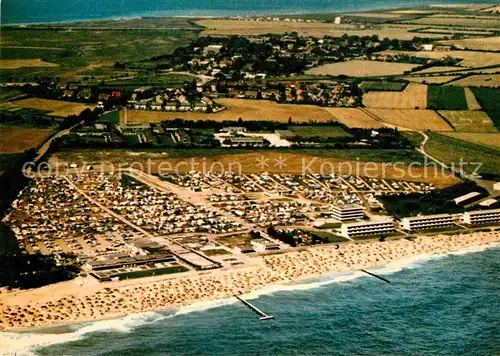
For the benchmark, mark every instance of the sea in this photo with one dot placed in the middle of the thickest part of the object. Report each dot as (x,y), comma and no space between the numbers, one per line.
(41,11)
(435,305)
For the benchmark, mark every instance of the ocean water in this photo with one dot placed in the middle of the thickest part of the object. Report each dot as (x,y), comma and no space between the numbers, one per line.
(440,305)
(34,11)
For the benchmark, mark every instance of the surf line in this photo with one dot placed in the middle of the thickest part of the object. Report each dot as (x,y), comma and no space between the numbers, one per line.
(374,275)
(263,316)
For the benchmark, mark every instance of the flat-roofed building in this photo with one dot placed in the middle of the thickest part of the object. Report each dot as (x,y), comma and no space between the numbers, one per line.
(435,221)
(347,212)
(367,228)
(481,217)
(467,198)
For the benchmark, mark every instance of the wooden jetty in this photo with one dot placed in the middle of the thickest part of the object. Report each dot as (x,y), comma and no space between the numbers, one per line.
(263,316)
(374,275)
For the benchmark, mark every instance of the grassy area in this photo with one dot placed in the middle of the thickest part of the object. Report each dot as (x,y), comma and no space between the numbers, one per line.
(451,150)
(446,98)
(364,155)
(112,117)
(319,131)
(488,99)
(86,52)
(440,201)
(328,237)
(172,80)
(414,137)
(9,93)
(382,86)
(8,242)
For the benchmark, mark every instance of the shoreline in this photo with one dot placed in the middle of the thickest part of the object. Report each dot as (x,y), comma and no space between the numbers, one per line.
(68,303)
(197,14)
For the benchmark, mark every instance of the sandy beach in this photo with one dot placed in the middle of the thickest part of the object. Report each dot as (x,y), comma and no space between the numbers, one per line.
(85,299)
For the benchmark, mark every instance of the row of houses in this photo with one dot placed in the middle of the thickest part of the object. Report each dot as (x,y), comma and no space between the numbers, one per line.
(173,100)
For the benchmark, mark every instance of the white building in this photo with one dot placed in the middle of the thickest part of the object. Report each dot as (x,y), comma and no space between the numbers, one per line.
(428,47)
(212,49)
(338,20)
(361,228)
(347,212)
(481,216)
(466,198)
(496,186)
(427,222)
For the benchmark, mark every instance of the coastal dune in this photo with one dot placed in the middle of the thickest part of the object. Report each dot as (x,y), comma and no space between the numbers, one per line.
(85,299)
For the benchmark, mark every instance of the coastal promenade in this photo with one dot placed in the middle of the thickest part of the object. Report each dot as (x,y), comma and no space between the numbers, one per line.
(83,300)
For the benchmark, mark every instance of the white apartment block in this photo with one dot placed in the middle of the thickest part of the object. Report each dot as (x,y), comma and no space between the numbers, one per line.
(427,222)
(481,216)
(368,228)
(347,212)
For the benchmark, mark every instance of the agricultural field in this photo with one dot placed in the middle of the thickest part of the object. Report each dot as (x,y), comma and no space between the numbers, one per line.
(488,98)
(477,43)
(17,139)
(447,98)
(235,27)
(479,138)
(353,117)
(320,131)
(472,102)
(10,93)
(365,162)
(20,63)
(414,96)
(437,69)
(360,68)
(421,120)
(54,107)
(459,21)
(239,108)
(84,52)
(382,86)
(452,150)
(482,80)
(469,121)
(470,59)
(431,80)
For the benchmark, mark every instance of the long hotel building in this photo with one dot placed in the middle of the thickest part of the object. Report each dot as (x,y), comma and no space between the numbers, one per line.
(436,221)
(368,228)
(481,217)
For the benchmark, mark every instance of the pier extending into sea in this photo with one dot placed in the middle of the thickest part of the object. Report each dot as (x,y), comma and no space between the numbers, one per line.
(263,316)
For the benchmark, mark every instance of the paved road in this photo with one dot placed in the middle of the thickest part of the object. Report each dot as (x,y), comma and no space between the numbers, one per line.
(44,148)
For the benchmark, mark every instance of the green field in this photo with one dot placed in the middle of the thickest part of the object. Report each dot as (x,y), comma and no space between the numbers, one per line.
(451,150)
(171,80)
(489,100)
(382,86)
(319,131)
(9,93)
(74,50)
(446,98)
(112,117)
(439,201)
